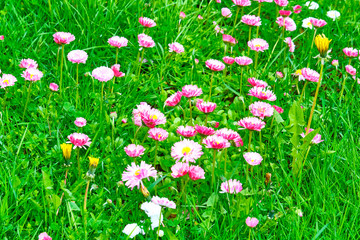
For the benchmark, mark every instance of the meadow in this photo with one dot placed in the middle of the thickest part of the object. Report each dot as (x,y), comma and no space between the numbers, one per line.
(217,119)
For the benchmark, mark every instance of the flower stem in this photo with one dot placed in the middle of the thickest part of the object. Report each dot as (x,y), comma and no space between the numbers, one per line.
(47,114)
(241,79)
(116,60)
(77,85)
(156,148)
(303,164)
(191,120)
(206,117)
(213,170)
(78,161)
(61,68)
(342,88)
(112,132)
(27,100)
(303,91)
(237,13)
(211,82)
(312,45)
(4,101)
(256,59)
(250,135)
(225,152)
(101,101)
(257,30)
(141,60)
(250,39)
(86,193)
(158,232)
(315,98)
(62,196)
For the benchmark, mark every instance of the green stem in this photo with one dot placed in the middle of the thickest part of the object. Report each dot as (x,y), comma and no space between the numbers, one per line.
(86,193)
(256,59)
(303,91)
(78,161)
(156,149)
(312,45)
(250,39)
(61,68)
(112,132)
(257,30)
(213,171)
(191,120)
(158,232)
(303,164)
(77,85)
(27,100)
(141,60)
(136,134)
(237,13)
(241,79)
(225,152)
(101,101)
(250,135)
(206,118)
(315,98)
(342,88)
(4,101)
(260,143)
(47,113)
(211,82)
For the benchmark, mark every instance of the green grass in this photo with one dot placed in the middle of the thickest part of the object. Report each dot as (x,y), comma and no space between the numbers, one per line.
(31,173)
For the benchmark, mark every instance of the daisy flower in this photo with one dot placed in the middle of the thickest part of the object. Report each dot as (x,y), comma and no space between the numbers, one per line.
(186,151)
(134,174)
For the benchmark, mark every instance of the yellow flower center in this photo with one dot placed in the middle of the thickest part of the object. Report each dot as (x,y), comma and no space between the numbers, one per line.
(298,72)
(309,24)
(257,45)
(264,93)
(154,117)
(186,150)
(6,81)
(137,173)
(252,160)
(31,76)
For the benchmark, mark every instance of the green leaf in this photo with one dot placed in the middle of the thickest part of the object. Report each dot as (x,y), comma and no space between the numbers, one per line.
(169,234)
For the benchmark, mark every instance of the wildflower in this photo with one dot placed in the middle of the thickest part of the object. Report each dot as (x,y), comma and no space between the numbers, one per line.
(114,115)
(333,14)
(134,174)
(299,212)
(191,91)
(261,109)
(133,150)
(262,93)
(316,139)
(335,63)
(54,87)
(251,20)
(179,169)
(77,56)
(44,236)
(290,43)
(225,12)
(63,38)
(28,63)
(242,3)
(200,17)
(252,123)
(32,74)
(153,117)
(252,222)
(228,39)
(279,74)
(145,41)
(2,37)
(182,15)
(299,74)
(214,65)
(164,202)
(278,109)
(257,83)
(187,131)
(147,22)
(317,22)
(310,75)
(231,186)
(116,69)
(93,163)
(79,140)
(351,52)
(312,5)
(205,107)
(306,23)
(196,173)
(186,150)
(216,142)
(243,61)
(350,69)
(80,122)
(141,108)
(297,9)
(132,230)
(7,80)
(158,134)
(230,135)
(285,13)
(282,3)
(228,60)
(124,120)
(154,212)
(118,42)
(205,131)
(258,44)
(176,47)
(287,22)
(103,74)
(66,150)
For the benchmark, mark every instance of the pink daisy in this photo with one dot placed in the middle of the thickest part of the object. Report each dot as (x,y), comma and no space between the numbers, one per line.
(285,13)
(290,43)
(205,131)
(103,74)
(351,52)
(310,75)
(116,69)
(228,60)
(77,56)
(262,93)
(225,12)
(153,117)
(205,107)
(179,169)
(186,151)
(147,22)
(28,63)
(214,65)
(187,131)
(54,87)
(279,74)
(252,222)
(63,38)
(251,20)
(231,186)
(350,69)
(298,73)
(141,108)
(7,80)
(118,42)
(79,140)
(158,134)
(2,37)
(80,122)
(316,139)
(44,236)
(278,109)
(243,61)
(196,173)
(230,135)
(134,174)
(258,44)
(335,63)
(289,23)
(252,123)
(261,109)
(133,150)
(174,99)
(182,15)
(216,142)
(317,22)
(282,3)
(200,17)
(191,91)
(257,83)
(163,202)
(145,41)
(176,47)
(261,1)
(297,9)
(228,39)
(253,158)
(242,3)
(32,74)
